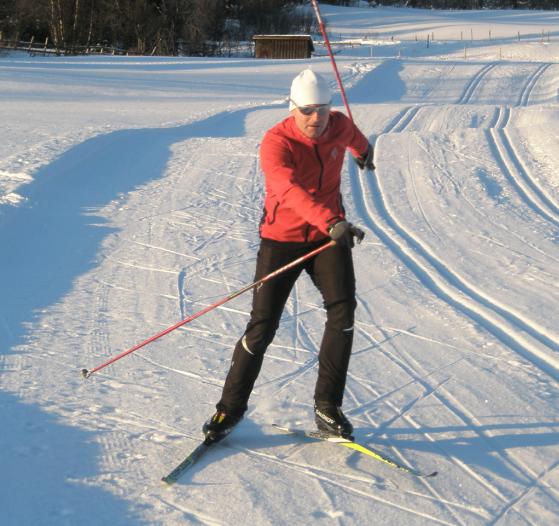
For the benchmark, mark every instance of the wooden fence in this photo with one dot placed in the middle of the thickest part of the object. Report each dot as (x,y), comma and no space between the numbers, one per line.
(208,49)
(37,48)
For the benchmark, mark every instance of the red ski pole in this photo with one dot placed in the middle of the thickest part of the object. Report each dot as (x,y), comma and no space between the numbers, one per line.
(86,373)
(329,48)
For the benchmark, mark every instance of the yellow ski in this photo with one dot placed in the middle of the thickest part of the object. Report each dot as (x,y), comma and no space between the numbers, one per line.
(350,443)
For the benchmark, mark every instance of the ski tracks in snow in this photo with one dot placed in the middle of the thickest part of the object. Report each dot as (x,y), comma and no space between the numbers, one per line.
(510,161)
(514,329)
(511,327)
(475,81)
(169,263)
(508,325)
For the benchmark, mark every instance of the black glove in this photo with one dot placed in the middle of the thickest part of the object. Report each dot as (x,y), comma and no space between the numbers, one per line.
(343,233)
(366,160)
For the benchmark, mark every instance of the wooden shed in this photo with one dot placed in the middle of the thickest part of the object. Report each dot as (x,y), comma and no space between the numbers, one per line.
(282,46)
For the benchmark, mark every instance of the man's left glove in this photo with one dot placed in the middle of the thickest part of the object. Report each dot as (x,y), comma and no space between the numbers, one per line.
(366,160)
(343,233)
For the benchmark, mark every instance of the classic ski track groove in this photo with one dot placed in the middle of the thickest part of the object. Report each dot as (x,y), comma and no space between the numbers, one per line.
(501,120)
(519,178)
(407,117)
(511,162)
(502,321)
(524,98)
(503,115)
(402,120)
(475,82)
(550,364)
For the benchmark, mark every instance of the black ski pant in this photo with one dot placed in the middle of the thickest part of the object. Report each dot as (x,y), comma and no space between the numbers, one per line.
(332,273)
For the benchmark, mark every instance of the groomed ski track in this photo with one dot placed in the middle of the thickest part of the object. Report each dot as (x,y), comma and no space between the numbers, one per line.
(455,362)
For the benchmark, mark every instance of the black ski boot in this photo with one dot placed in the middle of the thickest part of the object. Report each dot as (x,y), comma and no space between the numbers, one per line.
(330,419)
(220,424)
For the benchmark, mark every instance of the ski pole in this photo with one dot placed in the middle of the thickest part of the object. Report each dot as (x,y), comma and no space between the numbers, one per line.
(329,48)
(86,373)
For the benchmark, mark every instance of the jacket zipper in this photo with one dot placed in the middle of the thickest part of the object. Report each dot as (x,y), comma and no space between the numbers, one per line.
(321,166)
(319,186)
(273,218)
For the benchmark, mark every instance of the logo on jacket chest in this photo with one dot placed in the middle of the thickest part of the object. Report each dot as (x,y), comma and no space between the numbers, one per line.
(334,152)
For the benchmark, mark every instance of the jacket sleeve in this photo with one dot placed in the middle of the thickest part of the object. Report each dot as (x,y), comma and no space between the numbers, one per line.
(277,162)
(359,144)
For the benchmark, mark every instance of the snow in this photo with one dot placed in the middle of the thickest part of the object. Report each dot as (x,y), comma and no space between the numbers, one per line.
(130,197)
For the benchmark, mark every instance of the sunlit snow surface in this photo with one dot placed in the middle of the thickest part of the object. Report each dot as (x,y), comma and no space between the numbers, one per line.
(130,198)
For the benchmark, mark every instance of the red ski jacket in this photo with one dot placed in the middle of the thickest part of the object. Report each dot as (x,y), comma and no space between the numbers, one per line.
(302,178)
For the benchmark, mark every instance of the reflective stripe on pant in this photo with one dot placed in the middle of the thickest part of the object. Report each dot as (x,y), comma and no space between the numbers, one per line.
(332,273)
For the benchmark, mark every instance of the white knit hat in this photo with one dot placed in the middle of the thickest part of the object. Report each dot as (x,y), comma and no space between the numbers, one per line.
(309,88)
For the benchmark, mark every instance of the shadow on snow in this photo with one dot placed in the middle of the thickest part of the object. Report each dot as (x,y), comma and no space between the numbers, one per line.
(46,244)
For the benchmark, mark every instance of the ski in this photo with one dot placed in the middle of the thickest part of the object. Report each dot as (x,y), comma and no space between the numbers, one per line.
(189,461)
(351,444)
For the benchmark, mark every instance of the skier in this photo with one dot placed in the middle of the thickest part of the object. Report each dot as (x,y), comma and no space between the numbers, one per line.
(301,158)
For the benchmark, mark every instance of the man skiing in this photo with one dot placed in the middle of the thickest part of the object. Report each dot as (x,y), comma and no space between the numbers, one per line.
(302,158)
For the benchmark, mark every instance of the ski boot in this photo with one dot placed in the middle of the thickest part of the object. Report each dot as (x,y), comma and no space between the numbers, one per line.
(330,419)
(219,425)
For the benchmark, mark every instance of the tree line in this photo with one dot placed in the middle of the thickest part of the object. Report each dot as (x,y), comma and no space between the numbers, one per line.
(171,27)
(456,4)
(162,27)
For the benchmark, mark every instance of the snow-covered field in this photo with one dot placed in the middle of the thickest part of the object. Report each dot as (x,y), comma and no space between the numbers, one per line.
(130,197)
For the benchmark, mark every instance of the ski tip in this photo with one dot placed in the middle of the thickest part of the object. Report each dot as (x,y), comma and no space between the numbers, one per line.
(283,428)
(434,474)
(339,439)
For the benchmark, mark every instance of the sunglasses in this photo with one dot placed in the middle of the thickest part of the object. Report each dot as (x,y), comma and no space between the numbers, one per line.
(321,109)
